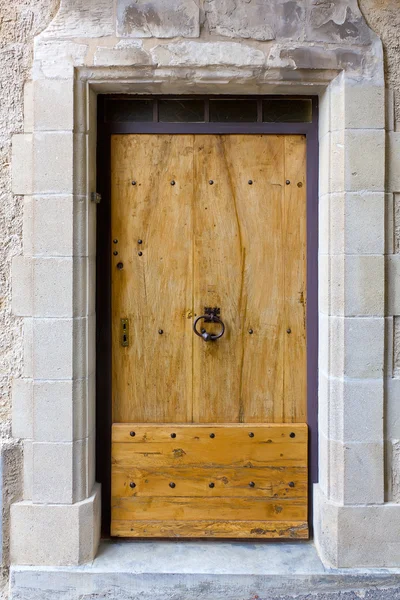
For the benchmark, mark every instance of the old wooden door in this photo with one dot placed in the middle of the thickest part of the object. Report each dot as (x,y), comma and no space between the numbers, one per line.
(209,436)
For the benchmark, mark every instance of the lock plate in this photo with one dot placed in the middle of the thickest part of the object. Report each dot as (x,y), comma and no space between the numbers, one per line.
(124,335)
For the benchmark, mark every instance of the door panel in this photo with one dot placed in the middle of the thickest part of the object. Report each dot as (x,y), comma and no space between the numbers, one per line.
(152,376)
(222,223)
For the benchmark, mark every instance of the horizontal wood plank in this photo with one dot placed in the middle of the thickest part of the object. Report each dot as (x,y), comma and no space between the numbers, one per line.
(210,529)
(271,482)
(230,432)
(193,508)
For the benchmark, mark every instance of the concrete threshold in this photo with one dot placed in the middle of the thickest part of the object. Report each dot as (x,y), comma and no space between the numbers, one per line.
(204,570)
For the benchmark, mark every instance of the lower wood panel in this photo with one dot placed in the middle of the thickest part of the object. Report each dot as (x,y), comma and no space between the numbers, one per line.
(210,481)
(210,529)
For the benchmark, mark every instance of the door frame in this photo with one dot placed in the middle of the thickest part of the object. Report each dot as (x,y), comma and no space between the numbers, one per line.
(103,269)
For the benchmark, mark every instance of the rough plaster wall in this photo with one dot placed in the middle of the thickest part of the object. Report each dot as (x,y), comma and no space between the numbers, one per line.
(383,16)
(20,20)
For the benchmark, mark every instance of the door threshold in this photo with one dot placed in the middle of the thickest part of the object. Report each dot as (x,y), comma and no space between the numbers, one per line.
(183,570)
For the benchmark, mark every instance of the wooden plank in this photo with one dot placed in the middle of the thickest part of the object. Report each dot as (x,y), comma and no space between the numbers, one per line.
(193,508)
(259,159)
(228,482)
(295,260)
(152,378)
(210,529)
(217,276)
(232,433)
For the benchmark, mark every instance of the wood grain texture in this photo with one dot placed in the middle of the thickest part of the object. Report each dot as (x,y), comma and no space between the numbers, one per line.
(229,232)
(152,377)
(210,529)
(273,458)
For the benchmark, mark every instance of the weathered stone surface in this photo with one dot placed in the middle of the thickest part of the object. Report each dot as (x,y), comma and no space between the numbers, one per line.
(339,21)
(58,58)
(256,20)
(207,54)
(158,18)
(82,18)
(317,57)
(129,54)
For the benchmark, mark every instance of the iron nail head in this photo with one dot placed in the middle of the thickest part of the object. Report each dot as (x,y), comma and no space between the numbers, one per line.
(132,433)
(292,434)
(287,181)
(172,484)
(211,485)
(212,435)
(251,434)
(132,484)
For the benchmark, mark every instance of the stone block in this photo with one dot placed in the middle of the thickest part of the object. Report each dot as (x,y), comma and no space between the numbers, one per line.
(53,163)
(55,534)
(392,408)
(81,409)
(57,58)
(357,222)
(389,346)
(158,18)
(393,161)
(393,282)
(324,225)
(80,466)
(207,54)
(22,285)
(337,162)
(396,346)
(21,161)
(27,469)
(365,160)
(337,96)
(53,343)
(358,285)
(91,464)
(53,473)
(389,105)
(364,105)
(323,343)
(255,20)
(53,287)
(324,113)
(80,286)
(28,106)
(338,22)
(122,55)
(22,408)
(356,347)
(324,281)
(82,19)
(53,411)
(80,353)
(396,223)
(53,225)
(81,104)
(390,241)
(324,164)
(79,223)
(27,226)
(54,105)
(27,330)
(80,164)
(348,399)
(363,471)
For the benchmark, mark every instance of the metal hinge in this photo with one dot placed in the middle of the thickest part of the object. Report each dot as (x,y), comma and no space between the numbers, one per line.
(95,197)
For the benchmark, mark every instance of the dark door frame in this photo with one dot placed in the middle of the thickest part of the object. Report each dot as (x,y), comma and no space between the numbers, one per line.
(103,274)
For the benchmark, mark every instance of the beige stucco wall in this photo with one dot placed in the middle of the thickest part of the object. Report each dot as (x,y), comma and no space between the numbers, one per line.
(20,20)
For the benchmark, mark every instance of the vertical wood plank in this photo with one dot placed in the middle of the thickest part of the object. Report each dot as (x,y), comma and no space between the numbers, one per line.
(152,377)
(295,293)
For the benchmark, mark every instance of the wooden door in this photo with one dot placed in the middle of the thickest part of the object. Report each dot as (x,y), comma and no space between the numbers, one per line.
(209,437)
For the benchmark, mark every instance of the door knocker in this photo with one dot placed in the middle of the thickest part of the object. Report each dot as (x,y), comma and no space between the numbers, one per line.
(211,315)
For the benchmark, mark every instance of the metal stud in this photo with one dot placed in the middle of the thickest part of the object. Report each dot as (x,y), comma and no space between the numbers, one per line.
(212,435)
(120,266)
(132,484)
(251,434)
(115,253)
(250,182)
(291,483)
(292,434)
(252,484)
(172,182)
(172,484)
(211,485)
(132,433)
(288,330)
(133,182)
(251,331)
(287,181)
(173,435)
(140,253)
(140,241)
(160,331)
(211,182)
(115,241)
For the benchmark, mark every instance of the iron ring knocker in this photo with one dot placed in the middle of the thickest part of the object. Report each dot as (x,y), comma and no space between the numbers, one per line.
(210,316)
